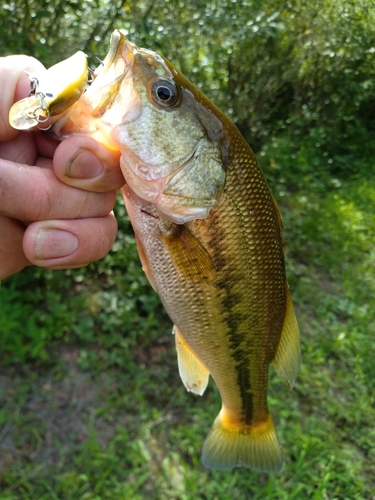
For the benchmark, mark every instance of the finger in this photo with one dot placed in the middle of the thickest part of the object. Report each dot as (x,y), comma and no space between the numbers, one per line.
(20,149)
(14,85)
(12,257)
(33,193)
(45,145)
(61,244)
(26,147)
(84,163)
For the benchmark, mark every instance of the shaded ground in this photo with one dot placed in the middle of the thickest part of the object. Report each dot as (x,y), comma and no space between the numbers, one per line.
(52,415)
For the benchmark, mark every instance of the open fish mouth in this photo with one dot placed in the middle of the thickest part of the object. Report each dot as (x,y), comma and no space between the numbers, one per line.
(110,74)
(117,65)
(109,98)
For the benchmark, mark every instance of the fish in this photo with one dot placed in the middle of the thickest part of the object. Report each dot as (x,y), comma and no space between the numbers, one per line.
(210,240)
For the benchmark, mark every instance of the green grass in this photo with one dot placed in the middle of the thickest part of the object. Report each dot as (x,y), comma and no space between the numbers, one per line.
(104,328)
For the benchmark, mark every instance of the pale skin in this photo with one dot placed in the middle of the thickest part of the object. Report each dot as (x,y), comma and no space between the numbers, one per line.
(56,199)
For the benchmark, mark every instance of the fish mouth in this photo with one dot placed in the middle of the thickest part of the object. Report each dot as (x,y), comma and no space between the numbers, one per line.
(117,65)
(118,62)
(108,99)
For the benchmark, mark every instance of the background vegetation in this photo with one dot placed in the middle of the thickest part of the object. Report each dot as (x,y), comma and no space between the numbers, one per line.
(92,406)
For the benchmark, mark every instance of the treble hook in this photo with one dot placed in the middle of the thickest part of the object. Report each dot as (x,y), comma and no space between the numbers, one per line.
(92,74)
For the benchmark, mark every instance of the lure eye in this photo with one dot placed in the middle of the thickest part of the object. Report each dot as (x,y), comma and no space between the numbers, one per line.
(165,92)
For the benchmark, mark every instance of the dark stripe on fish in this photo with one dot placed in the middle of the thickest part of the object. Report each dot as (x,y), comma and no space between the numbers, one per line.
(237,340)
(231,316)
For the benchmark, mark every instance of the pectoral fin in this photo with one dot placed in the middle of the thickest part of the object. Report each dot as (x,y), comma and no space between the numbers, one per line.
(288,355)
(189,256)
(193,373)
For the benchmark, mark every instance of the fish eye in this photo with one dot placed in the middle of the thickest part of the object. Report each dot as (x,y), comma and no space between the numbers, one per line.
(165,92)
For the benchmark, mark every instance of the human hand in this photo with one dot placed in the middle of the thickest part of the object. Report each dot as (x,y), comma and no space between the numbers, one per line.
(55,198)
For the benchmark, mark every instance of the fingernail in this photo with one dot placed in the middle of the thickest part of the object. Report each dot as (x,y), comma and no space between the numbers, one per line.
(83,165)
(54,243)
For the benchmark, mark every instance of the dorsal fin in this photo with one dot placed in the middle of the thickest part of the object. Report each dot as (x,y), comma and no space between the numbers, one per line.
(280,221)
(288,355)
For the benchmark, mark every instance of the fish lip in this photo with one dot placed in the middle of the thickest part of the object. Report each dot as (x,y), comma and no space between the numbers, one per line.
(116,37)
(117,42)
(116,68)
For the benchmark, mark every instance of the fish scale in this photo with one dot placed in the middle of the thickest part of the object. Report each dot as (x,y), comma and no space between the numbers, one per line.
(244,275)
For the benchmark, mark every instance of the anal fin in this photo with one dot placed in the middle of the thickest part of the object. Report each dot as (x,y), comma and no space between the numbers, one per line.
(288,355)
(193,373)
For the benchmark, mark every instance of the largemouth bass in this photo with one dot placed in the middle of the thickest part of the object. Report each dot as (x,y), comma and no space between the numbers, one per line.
(209,237)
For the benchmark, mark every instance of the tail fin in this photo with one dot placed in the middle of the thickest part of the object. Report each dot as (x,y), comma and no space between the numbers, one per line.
(240,445)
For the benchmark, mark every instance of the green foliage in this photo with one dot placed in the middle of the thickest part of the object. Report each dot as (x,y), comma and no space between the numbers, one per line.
(33,311)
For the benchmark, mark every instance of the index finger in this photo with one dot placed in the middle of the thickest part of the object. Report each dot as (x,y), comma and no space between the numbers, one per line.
(31,193)
(14,85)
